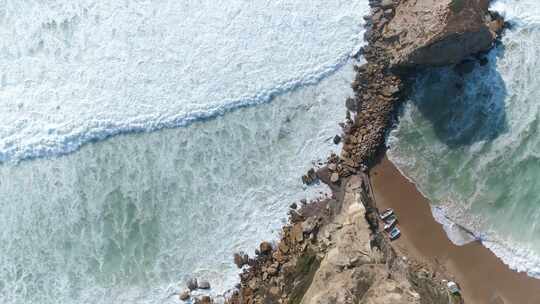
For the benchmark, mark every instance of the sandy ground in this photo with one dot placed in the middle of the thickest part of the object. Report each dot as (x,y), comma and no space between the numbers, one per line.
(482,276)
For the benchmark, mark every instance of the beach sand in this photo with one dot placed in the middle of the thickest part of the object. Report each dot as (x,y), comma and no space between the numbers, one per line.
(483,277)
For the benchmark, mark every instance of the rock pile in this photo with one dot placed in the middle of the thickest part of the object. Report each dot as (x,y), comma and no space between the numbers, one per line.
(193,284)
(281,272)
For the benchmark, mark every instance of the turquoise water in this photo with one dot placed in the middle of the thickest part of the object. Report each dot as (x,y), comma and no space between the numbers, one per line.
(471,142)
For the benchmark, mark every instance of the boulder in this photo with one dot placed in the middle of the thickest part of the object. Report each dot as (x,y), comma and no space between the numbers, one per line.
(332,166)
(241,259)
(283,247)
(184,295)
(310,177)
(192,284)
(204,285)
(297,233)
(265,248)
(351,104)
(386,4)
(204,300)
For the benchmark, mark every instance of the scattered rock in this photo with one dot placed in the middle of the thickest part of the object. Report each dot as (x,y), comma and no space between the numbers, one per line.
(283,247)
(351,104)
(192,284)
(386,4)
(265,248)
(309,225)
(295,217)
(332,167)
(334,178)
(297,233)
(310,177)
(204,300)
(241,259)
(390,90)
(184,295)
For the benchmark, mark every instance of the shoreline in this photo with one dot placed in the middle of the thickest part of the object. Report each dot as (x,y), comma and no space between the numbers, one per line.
(483,276)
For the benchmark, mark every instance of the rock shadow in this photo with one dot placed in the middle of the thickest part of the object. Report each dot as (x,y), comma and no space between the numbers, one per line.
(465,103)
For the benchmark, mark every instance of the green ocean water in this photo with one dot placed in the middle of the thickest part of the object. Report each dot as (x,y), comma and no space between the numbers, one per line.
(471,143)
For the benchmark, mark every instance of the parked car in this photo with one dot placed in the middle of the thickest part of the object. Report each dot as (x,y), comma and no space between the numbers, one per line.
(386,213)
(395,233)
(390,222)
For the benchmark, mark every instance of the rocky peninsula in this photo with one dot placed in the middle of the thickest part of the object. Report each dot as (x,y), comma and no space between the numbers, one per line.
(333,250)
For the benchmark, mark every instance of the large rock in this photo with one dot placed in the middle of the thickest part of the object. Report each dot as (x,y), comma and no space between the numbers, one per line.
(185,295)
(241,259)
(192,284)
(204,285)
(439,32)
(265,248)
(204,300)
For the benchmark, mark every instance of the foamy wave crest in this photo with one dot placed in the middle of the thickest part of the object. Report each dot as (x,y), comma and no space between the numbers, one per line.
(72,73)
(515,255)
(57,143)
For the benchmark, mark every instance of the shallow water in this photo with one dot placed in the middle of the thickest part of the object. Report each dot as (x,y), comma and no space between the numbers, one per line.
(471,142)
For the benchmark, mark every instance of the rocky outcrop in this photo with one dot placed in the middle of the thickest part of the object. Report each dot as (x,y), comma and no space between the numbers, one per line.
(435,32)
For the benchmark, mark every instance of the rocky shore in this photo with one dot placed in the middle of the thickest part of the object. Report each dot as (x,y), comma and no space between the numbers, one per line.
(333,250)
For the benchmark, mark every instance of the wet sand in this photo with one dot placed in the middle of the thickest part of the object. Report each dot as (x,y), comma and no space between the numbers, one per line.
(483,277)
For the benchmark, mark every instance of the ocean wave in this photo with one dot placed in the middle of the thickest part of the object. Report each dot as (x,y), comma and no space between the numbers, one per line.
(74,73)
(56,143)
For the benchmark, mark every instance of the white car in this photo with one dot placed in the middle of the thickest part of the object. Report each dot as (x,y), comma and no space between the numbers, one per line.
(386,213)
(390,222)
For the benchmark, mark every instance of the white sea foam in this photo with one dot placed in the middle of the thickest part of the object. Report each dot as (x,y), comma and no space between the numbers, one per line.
(471,144)
(74,72)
